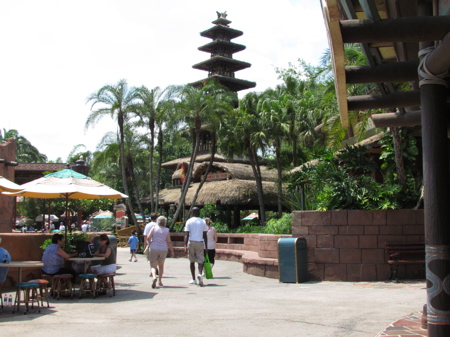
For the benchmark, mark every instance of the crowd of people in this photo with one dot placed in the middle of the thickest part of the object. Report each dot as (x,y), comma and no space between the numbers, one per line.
(200,240)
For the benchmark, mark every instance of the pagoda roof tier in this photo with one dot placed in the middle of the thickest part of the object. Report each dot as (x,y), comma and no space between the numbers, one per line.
(220,30)
(221,21)
(231,64)
(233,47)
(234,84)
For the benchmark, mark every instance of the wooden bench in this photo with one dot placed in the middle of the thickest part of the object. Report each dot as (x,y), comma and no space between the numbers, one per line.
(404,253)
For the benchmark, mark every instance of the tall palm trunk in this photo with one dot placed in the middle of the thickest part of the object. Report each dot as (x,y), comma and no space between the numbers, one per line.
(208,168)
(152,151)
(279,173)
(160,160)
(400,167)
(185,187)
(120,119)
(259,188)
(132,179)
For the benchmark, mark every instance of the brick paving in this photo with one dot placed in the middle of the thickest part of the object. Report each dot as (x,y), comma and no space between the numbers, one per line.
(408,326)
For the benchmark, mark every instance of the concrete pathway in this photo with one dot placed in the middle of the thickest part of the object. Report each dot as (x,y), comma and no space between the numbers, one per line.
(231,304)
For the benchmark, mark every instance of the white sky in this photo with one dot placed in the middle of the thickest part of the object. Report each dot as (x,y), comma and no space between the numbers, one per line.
(55,53)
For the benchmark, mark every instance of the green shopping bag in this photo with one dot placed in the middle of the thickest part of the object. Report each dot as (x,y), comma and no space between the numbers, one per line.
(208,268)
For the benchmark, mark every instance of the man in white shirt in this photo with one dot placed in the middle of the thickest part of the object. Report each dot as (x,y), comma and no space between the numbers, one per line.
(149,226)
(84,227)
(195,242)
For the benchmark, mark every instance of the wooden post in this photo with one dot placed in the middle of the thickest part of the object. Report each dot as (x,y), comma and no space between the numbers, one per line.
(437,201)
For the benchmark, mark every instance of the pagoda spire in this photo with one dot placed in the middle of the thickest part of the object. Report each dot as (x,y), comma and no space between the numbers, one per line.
(221,66)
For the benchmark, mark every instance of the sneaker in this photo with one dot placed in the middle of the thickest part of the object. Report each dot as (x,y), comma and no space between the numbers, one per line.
(135,260)
(200,280)
(192,282)
(154,283)
(129,260)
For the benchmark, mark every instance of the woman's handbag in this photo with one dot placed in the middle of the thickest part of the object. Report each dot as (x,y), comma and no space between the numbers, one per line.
(208,268)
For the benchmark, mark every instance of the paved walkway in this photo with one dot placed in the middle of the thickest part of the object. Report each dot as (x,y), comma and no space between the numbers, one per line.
(231,304)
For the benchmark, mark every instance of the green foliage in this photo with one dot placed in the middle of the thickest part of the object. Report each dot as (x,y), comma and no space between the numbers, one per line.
(102,225)
(210,211)
(279,226)
(249,228)
(409,153)
(73,239)
(343,181)
(221,227)
(45,244)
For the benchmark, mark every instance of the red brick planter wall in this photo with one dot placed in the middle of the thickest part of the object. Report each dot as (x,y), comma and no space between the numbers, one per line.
(348,245)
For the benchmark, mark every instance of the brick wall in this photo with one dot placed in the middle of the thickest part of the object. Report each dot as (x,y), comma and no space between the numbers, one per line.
(348,245)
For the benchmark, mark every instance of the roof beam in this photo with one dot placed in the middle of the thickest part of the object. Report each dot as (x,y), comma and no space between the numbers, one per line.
(383,73)
(406,29)
(389,119)
(395,100)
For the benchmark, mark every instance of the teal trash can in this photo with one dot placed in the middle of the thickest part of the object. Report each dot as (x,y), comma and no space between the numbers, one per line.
(292,260)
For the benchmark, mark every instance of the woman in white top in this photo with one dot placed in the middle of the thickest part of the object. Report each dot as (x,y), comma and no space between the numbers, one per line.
(211,234)
(159,242)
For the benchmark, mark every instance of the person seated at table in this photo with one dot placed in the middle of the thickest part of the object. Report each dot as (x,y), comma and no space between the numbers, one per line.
(108,265)
(54,257)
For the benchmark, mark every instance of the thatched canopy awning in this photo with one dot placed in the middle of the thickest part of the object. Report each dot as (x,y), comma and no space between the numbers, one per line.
(235,171)
(173,164)
(230,192)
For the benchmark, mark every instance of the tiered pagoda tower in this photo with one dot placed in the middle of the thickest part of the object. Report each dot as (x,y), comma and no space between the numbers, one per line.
(221,66)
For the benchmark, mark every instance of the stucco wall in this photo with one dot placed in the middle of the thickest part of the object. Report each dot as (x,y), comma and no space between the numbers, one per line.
(7,152)
(348,245)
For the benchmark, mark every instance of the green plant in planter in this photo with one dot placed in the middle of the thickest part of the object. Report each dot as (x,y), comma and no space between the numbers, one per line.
(45,244)
(73,241)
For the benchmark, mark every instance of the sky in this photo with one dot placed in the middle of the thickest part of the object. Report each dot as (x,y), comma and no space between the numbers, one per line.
(55,53)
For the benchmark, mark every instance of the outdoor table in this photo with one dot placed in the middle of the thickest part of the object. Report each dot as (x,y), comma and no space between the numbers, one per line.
(22,264)
(86,260)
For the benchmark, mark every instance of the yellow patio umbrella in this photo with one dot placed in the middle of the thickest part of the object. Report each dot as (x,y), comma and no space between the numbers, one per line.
(8,186)
(67,184)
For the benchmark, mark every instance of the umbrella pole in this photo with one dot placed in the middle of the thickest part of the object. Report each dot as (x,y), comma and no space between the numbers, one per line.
(67,224)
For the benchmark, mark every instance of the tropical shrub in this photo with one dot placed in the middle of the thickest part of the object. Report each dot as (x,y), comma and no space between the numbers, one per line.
(344,180)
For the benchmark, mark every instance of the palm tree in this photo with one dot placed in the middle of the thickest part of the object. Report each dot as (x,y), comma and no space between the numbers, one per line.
(275,108)
(25,151)
(77,153)
(195,105)
(246,138)
(149,111)
(224,106)
(117,102)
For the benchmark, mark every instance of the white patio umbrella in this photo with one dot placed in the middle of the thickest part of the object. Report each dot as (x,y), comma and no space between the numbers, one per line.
(8,186)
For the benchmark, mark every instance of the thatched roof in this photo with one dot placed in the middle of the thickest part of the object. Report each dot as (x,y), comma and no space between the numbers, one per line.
(173,164)
(235,170)
(230,192)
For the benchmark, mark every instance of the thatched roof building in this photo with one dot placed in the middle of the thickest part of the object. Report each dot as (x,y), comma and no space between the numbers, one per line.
(230,185)
(233,192)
